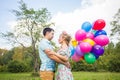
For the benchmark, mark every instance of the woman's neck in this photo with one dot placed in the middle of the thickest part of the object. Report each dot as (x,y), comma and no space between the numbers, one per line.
(64,45)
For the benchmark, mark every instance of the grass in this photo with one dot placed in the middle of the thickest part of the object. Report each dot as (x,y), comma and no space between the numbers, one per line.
(77,76)
(96,76)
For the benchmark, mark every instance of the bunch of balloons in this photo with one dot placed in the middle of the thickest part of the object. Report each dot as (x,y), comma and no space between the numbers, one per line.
(89,42)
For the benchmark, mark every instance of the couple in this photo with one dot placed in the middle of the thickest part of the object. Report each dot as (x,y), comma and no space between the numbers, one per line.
(49,58)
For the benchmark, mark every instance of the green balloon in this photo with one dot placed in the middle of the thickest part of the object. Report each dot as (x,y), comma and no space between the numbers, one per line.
(94,31)
(89,58)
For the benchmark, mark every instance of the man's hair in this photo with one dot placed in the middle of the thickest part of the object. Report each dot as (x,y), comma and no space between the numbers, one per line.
(47,30)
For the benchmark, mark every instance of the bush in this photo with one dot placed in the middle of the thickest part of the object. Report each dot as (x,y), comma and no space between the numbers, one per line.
(83,66)
(17,66)
(114,64)
(3,68)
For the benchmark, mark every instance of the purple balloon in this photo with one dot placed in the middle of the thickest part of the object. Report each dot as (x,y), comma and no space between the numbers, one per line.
(78,51)
(98,50)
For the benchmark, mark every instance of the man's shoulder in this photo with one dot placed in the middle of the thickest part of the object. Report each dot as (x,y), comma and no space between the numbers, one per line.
(42,41)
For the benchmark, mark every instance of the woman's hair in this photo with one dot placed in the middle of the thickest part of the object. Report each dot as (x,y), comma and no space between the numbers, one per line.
(66,37)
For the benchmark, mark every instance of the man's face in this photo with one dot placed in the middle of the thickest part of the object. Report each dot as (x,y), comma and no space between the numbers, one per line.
(50,35)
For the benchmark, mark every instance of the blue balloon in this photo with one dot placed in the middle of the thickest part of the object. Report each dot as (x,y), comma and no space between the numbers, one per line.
(100,32)
(86,26)
(72,50)
(96,56)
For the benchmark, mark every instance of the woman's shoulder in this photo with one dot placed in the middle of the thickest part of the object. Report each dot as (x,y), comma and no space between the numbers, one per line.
(63,51)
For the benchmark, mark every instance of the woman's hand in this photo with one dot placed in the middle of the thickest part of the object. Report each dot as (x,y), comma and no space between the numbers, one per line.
(67,64)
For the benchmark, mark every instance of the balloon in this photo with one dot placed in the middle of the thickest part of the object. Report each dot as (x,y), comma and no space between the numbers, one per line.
(85,47)
(82,58)
(76,58)
(80,35)
(74,42)
(90,41)
(96,56)
(100,32)
(98,50)
(99,24)
(78,51)
(72,50)
(89,58)
(101,40)
(94,31)
(86,26)
(90,35)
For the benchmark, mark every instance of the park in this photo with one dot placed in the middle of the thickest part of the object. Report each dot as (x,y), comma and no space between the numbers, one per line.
(94,47)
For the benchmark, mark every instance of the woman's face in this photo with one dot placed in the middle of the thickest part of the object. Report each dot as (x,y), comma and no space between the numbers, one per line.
(60,40)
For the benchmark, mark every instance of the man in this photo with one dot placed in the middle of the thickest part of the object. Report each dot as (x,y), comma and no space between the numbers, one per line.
(47,56)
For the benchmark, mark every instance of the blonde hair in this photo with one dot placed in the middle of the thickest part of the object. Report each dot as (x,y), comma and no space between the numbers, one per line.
(66,37)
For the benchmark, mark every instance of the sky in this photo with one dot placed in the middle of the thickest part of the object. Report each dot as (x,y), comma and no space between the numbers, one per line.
(68,15)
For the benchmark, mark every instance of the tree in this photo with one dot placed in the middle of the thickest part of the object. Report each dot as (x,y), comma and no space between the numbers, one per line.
(18,55)
(116,25)
(114,64)
(7,57)
(30,23)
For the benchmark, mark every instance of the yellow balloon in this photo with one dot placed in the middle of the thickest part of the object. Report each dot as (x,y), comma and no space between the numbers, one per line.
(74,42)
(90,41)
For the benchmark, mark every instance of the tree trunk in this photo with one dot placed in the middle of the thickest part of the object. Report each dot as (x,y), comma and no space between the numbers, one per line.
(35,57)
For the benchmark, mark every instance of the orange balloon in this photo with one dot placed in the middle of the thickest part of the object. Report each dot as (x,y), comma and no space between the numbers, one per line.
(90,41)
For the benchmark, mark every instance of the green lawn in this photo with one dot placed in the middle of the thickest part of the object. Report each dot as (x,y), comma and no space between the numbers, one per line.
(77,76)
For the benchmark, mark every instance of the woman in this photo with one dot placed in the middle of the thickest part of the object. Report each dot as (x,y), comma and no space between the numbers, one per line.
(63,72)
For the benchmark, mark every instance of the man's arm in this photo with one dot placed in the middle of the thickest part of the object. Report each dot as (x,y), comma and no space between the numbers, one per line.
(52,55)
(63,58)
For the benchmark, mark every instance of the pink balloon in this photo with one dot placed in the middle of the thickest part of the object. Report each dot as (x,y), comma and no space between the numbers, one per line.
(80,35)
(101,40)
(90,35)
(76,58)
(85,47)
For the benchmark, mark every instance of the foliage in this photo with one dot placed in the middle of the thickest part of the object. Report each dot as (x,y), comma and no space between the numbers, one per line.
(18,55)
(30,23)
(3,68)
(114,63)
(17,66)
(108,62)
(7,57)
(116,25)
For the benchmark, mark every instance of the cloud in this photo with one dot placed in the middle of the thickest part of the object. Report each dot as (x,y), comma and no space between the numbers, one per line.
(12,25)
(90,10)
